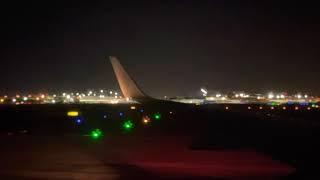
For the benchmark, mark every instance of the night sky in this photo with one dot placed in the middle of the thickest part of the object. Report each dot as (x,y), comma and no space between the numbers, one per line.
(170,48)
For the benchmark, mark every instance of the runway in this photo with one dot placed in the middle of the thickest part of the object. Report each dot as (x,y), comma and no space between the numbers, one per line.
(79,157)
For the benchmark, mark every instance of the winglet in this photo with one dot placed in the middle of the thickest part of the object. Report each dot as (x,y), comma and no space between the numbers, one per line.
(127,85)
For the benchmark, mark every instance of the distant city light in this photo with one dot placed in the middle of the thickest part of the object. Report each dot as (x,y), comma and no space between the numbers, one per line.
(25,98)
(284,108)
(101,90)
(132,107)
(282,96)
(53,101)
(305,96)
(226,107)
(299,96)
(14,100)
(110,92)
(42,96)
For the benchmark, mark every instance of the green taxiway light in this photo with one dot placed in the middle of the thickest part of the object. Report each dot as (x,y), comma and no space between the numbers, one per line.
(128,125)
(95,134)
(157,116)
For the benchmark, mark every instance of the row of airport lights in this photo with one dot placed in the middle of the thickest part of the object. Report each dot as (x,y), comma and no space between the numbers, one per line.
(314,106)
(244,95)
(127,125)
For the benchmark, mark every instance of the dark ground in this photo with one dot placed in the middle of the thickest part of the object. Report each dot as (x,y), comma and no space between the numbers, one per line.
(40,141)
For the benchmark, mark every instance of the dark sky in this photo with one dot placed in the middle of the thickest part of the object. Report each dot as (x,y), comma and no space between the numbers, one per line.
(170,47)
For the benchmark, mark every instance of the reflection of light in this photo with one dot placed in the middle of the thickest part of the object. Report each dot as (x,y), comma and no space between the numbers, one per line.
(73,113)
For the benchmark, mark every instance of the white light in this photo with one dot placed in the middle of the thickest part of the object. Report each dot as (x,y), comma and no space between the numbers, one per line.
(54,95)
(25,98)
(116,97)
(101,90)
(305,96)
(77,94)
(101,96)
(63,94)
(68,96)
(241,94)
(127,99)
(223,98)
(116,93)
(270,96)
(204,91)
(299,96)
(53,101)
(42,96)
(14,100)
(110,92)
(90,92)
(278,96)
(282,96)
(258,97)
(218,95)
(237,95)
